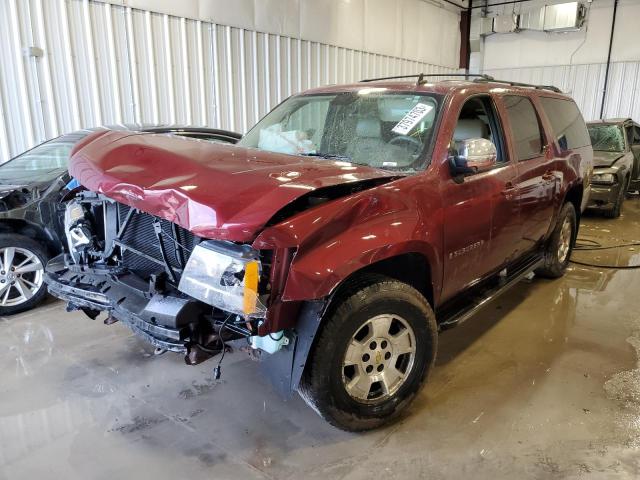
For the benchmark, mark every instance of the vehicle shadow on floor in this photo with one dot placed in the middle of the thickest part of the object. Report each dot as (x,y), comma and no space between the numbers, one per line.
(453,341)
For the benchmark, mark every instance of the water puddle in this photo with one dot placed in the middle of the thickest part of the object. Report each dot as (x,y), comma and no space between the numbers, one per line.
(624,388)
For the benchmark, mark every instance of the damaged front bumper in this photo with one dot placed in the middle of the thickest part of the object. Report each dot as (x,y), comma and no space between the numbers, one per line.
(178,323)
(603,196)
(164,320)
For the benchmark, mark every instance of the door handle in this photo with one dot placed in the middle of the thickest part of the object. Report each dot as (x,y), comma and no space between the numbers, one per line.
(508,190)
(548,176)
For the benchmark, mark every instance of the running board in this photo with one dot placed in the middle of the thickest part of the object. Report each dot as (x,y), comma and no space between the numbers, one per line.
(457,311)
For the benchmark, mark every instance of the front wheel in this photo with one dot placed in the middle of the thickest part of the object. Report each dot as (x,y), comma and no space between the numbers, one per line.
(558,250)
(615,211)
(373,354)
(22,262)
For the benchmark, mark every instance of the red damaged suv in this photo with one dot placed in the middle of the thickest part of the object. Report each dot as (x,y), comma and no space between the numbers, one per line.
(337,238)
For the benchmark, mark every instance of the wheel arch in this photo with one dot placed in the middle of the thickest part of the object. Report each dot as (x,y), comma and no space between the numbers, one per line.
(313,314)
(32,230)
(412,262)
(412,268)
(574,196)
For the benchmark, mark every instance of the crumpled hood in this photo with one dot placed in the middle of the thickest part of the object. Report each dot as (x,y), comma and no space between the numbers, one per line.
(605,159)
(214,190)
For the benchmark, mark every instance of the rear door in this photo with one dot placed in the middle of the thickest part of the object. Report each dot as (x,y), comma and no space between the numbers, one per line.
(568,144)
(537,182)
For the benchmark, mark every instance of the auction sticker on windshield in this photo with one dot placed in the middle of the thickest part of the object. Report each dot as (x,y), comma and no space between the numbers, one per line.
(412,118)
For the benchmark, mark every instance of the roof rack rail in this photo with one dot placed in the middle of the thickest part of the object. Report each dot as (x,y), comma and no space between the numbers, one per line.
(477,77)
(520,84)
(421,77)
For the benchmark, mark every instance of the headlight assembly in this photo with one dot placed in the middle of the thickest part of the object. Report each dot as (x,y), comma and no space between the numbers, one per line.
(224,276)
(76,229)
(604,178)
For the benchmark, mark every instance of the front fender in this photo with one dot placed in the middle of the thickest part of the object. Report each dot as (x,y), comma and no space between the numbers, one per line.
(626,162)
(316,274)
(335,240)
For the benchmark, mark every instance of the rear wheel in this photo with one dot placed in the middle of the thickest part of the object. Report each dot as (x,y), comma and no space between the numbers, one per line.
(372,356)
(22,262)
(558,250)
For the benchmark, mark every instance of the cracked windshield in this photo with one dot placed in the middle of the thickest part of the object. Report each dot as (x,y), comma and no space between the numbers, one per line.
(369,127)
(606,138)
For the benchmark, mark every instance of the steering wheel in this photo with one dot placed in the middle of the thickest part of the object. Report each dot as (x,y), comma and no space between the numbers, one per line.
(411,144)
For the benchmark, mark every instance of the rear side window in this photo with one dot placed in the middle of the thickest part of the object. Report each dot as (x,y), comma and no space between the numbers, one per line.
(567,123)
(525,126)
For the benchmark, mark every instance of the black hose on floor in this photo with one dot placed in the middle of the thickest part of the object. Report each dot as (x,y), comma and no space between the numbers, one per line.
(586,244)
(611,267)
(597,246)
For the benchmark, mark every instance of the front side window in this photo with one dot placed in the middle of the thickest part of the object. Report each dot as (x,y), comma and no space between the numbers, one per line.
(630,134)
(567,123)
(525,126)
(477,119)
(606,138)
(371,127)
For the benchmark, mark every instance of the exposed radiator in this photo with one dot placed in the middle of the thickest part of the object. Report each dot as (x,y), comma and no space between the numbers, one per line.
(142,253)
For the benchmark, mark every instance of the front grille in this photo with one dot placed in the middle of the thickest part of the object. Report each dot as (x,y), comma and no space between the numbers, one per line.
(140,246)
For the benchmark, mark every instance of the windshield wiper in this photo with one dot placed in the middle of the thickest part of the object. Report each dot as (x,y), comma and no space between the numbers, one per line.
(326,155)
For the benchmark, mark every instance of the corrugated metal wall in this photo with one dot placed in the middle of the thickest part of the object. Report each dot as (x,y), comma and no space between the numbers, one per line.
(585,84)
(106,64)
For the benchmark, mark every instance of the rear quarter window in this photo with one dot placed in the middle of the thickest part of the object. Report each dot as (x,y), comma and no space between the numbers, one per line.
(567,123)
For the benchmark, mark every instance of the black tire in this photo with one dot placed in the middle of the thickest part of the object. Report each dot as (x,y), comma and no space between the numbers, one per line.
(323,386)
(615,211)
(554,266)
(629,191)
(25,244)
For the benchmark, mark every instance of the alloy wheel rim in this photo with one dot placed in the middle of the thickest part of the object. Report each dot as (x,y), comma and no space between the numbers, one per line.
(565,241)
(21,275)
(378,358)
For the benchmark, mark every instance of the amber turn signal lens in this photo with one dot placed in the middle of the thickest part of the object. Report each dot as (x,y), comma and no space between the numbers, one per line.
(250,288)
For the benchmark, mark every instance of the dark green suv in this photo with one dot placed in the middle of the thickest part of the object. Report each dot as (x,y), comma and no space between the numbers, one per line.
(616,159)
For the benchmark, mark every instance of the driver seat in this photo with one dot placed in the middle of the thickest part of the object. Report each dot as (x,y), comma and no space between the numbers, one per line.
(468,128)
(367,145)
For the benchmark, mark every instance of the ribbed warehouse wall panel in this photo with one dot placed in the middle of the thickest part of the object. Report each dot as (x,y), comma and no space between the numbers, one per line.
(585,83)
(95,63)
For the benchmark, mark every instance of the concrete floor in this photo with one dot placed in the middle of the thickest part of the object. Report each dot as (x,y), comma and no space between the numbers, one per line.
(544,383)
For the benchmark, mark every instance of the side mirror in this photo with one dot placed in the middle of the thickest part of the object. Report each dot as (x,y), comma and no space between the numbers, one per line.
(474,155)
